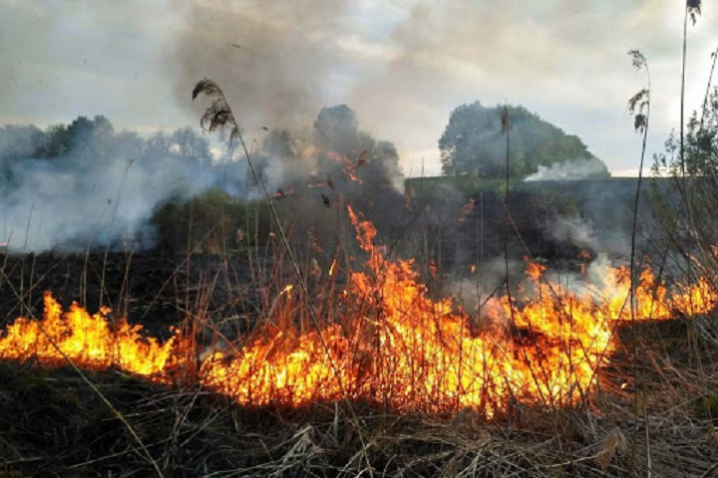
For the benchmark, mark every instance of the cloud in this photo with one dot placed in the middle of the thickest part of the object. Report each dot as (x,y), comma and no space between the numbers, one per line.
(64,59)
(564,60)
(402,66)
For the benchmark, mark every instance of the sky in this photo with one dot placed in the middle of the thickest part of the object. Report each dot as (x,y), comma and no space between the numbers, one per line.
(403,66)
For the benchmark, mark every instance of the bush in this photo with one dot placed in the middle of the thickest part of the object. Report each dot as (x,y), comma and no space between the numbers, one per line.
(212,222)
(687,209)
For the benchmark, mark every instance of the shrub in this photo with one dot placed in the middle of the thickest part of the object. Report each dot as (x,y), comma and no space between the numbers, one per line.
(212,222)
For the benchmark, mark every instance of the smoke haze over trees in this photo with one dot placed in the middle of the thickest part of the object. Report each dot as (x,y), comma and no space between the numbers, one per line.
(472,143)
(335,150)
(85,185)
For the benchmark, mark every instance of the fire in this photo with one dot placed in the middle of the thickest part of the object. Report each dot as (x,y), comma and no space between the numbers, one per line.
(394,346)
(91,342)
(347,165)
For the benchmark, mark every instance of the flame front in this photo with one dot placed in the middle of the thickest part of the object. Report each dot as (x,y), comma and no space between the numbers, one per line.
(88,341)
(394,346)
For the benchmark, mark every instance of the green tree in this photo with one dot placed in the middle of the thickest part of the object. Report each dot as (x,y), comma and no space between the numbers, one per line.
(17,143)
(693,166)
(700,145)
(472,143)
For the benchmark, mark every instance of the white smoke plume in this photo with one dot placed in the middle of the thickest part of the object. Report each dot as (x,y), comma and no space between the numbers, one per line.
(570,170)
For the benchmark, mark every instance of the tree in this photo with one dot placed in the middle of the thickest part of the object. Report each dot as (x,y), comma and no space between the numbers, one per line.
(84,138)
(56,143)
(693,166)
(17,143)
(91,140)
(336,128)
(472,143)
(188,145)
(700,145)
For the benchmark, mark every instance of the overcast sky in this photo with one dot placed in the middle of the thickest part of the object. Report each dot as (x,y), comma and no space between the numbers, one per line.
(403,66)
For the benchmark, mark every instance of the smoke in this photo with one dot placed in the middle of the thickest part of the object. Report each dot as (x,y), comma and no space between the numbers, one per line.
(571,170)
(476,291)
(333,156)
(273,60)
(403,66)
(582,233)
(278,65)
(82,186)
(103,189)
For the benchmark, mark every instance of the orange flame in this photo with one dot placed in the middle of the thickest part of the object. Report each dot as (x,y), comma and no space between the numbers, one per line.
(90,342)
(395,346)
(347,166)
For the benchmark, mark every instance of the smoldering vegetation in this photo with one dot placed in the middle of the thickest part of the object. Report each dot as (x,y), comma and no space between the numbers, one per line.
(555,220)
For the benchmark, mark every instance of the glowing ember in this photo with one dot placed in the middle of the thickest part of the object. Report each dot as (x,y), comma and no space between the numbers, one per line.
(394,346)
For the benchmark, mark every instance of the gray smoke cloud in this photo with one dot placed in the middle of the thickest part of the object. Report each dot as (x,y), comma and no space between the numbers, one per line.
(273,60)
(78,200)
(83,186)
(402,68)
(582,232)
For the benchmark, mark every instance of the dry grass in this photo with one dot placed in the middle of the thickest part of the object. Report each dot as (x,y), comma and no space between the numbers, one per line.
(653,415)
(52,425)
(654,412)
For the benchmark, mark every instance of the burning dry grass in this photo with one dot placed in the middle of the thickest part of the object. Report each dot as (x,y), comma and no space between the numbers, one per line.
(383,342)
(544,388)
(52,425)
